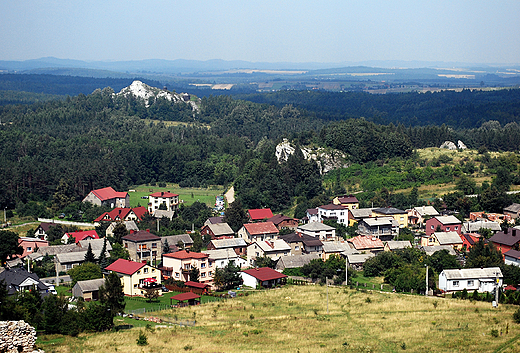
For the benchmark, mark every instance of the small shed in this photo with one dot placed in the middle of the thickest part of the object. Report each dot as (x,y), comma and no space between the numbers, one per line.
(89,289)
(191,298)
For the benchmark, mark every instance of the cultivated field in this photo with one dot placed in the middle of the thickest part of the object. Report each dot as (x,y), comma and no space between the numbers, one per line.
(297,319)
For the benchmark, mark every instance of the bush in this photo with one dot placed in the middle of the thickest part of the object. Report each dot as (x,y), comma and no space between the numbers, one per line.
(516,316)
(142,340)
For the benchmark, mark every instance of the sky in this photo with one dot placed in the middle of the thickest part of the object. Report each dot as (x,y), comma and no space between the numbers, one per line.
(324,31)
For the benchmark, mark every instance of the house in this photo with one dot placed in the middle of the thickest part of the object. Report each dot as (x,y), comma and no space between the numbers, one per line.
(418,215)
(30,245)
(295,261)
(358,260)
(108,197)
(238,245)
(346,200)
(366,243)
(262,277)
(123,214)
(513,210)
(79,235)
(506,239)
(18,279)
(400,216)
(177,242)
(444,224)
(258,231)
(218,231)
(336,213)
(512,257)
(259,215)
(337,248)
(129,225)
(494,217)
(311,216)
(135,276)
(221,257)
(89,289)
(266,248)
(143,246)
(42,230)
(380,227)
(356,215)
(452,239)
(302,243)
(170,201)
(281,221)
(473,227)
(178,265)
(69,260)
(430,250)
(318,230)
(397,245)
(470,239)
(471,279)
(214,220)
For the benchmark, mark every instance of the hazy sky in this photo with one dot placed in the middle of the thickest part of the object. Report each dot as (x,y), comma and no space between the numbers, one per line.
(473,31)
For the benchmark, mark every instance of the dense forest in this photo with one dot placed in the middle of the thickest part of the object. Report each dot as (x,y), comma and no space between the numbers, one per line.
(61,149)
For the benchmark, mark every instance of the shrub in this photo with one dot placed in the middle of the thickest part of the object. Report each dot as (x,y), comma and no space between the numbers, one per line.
(494,333)
(516,316)
(142,340)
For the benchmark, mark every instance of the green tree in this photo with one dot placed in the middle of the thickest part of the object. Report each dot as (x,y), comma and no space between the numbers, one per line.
(166,247)
(55,233)
(9,245)
(85,271)
(235,215)
(194,274)
(265,261)
(54,308)
(151,294)
(442,260)
(466,185)
(103,261)
(227,277)
(118,252)
(119,232)
(483,255)
(112,295)
(89,256)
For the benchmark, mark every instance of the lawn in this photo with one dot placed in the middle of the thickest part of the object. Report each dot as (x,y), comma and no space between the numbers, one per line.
(312,319)
(133,303)
(186,195)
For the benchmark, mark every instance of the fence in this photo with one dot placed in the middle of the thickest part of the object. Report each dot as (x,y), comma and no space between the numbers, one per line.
(79,224)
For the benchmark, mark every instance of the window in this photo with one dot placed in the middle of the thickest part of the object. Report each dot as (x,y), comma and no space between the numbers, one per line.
(153,270)
(470,282)
(176,274)
(154,253)
(145,270)
(203,274)
(203,265)
(210,273)
(126,245)
(447,229)
(433,227)
(138,272)
(455,283)
(187,266)
(135,285)
(296,248)
(29,249)
(456,227)
(154,245)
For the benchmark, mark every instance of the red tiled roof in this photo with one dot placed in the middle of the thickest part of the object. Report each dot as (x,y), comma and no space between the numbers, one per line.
(510,287)
(185,296)
(109,193)
(348,199)
(261,228)
(80,235)
(264,274)
(196,284)
(279,218)
(259,214)
(141,235)
(125,266)
(165,194)
(183,254)
(364,242)
(118,214)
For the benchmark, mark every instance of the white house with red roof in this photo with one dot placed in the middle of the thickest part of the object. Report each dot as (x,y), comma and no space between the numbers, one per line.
(123,214)
(178,265)
(79,235)
(262,277)
(170,201)
(259,214)
(135,277)
(108,197)
(258,231)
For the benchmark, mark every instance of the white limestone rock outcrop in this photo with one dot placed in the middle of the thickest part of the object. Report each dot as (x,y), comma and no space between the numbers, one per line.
(327,159)
(17,336)
(461,145)
(449,145)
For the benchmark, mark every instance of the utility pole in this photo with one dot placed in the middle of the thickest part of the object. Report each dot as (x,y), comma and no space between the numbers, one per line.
(327,281)
(496,290)
(346,270)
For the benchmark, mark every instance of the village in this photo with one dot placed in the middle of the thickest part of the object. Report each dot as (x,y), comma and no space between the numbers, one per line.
(265,248)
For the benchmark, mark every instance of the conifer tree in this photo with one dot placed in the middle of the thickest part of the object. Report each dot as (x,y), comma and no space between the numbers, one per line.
(89,256)
(103,261)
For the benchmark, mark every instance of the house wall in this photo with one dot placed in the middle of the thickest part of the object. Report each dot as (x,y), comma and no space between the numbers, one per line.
(470,284)
(511,261)
(144,251)
(181,268)
(92,198)
(249,280)
(132,283)
(432,223)
(172,203)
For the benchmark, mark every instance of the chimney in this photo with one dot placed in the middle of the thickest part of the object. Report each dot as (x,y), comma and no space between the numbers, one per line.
(514,232)
(148,230)
(162,193)
(132,231)
(506,231)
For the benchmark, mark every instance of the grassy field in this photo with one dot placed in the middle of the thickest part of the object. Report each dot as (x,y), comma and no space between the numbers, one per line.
(138,303)
(188,195)
(300,319)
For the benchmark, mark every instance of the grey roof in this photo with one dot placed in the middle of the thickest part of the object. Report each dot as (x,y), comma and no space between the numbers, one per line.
(426,211)
(96,244)
(219,254)
(228,243)
(515,208)
(90,285)
(13,277)
(58,249)
(362,213)
(473,273)
(164,213)
(359,258)
(448,220)
(336,247)
(130,225)
(174,239)
(389,210)
(295,261)
(430,250)
(446,238)
(315,226)
(269,246)
(398,244)
(78,256)
(470,227)
(220,229)
(381,221)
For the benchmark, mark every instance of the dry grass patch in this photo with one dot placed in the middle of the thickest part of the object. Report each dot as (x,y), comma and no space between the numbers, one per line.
(295,319)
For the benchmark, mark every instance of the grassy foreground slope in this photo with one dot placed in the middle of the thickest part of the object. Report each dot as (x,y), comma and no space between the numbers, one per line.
(295,319)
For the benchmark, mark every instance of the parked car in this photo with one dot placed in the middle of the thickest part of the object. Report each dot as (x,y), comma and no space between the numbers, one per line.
(164,289)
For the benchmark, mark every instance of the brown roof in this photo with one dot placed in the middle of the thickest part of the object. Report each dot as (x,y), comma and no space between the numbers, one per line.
(304,238)
(279,218)
(363,242)
(347,199)
(332,206)
(261,228)
(141,235)
(185,296)
(510,238)
(264,274)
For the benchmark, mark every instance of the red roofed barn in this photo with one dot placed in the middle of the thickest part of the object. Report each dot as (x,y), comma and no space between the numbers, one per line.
(108,197)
